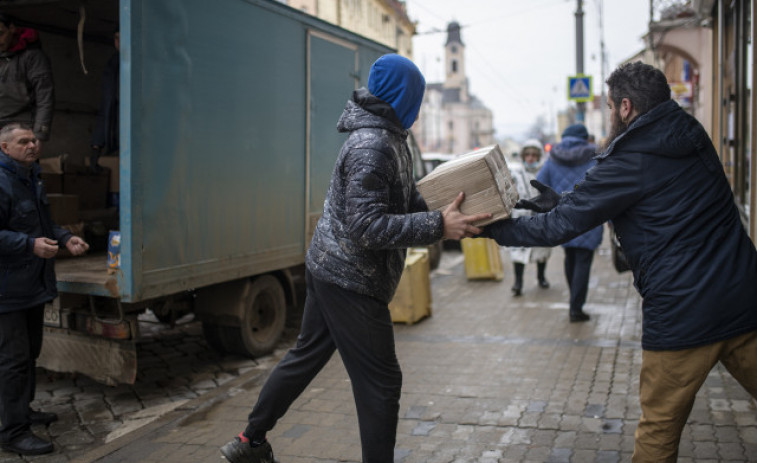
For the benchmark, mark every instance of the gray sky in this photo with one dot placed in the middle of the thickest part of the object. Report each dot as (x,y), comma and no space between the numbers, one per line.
(519,54)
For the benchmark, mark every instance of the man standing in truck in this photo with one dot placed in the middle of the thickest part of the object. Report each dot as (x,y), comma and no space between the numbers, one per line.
(26,79)
(29,240)
(372,213)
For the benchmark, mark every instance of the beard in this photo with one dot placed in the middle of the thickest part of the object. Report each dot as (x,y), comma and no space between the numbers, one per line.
(617,127)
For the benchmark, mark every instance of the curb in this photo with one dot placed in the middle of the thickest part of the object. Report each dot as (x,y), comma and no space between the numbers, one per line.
(183,412)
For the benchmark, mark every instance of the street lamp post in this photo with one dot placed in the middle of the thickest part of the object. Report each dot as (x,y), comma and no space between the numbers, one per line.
(580,54)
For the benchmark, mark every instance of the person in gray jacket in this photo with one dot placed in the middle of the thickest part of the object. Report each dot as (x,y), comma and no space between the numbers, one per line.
(372,213)
(29,241)
(26,79)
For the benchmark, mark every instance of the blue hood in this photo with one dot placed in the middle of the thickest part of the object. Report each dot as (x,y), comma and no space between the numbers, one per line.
(573,151)
(397,81)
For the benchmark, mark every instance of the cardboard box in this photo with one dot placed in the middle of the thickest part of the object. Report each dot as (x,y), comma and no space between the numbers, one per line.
(483,260)
(52,165)
(484,178)
(112,163)
(53,182)
(92,188)
(64,209)
(412,301)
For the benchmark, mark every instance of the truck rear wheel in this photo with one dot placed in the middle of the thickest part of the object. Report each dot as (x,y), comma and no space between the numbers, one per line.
(262,322)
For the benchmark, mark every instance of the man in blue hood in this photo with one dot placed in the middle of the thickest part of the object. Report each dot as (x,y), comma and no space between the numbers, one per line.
(661,183)
(567,164)
(372,213)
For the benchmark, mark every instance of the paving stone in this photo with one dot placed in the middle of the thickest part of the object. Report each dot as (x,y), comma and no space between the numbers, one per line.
(487,379)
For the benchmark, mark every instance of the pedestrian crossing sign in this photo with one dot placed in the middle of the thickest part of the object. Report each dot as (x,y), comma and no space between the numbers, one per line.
(579,88)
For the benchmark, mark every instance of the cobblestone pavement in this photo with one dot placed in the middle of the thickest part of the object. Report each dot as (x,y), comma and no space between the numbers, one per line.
(176,365)
(487,379)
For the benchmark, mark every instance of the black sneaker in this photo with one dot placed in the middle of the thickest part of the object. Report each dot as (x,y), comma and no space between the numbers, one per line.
(238,451)
(28,443)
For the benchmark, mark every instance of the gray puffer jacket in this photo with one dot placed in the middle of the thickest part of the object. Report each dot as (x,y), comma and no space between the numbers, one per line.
(26,89)
(372,211)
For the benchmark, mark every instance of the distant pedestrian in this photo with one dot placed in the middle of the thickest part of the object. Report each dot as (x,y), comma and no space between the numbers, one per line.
(661,183)
(530,155)
(372,213)
(29,241)
(567,164)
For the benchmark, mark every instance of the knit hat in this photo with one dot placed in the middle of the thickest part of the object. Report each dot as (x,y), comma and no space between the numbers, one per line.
(397,81)
(532,143)
(576,130)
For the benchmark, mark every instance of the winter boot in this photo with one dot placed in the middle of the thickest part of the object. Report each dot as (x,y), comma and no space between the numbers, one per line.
(579,316)
(518,285)
(540,268)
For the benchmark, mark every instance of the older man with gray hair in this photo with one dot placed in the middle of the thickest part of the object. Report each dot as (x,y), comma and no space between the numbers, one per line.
(29,240)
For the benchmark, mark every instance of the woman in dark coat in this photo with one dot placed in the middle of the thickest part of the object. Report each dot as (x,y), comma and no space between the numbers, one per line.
(567,164)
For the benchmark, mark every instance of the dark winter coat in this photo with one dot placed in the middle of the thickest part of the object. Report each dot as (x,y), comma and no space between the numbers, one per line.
(662,185)
(25,279)
(567,165)
(105,133)
(26,85)
(372,211)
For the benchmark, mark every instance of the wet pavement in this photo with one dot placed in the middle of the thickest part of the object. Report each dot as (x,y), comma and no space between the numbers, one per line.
(488,378)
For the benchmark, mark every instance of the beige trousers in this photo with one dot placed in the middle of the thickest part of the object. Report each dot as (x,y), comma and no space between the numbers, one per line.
(669,382)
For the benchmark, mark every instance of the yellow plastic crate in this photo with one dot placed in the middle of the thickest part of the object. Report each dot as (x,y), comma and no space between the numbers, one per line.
(412,301)
(482,259)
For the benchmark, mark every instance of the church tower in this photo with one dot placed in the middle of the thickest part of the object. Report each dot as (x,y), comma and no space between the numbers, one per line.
(455,78)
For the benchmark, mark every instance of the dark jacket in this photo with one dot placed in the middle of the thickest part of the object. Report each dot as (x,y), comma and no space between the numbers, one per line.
(105,133)
(662,185)
(26,85)
(25,279)
(372,210)
(567,165)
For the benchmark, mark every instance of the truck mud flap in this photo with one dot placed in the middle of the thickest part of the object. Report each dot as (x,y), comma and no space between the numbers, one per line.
(104,360)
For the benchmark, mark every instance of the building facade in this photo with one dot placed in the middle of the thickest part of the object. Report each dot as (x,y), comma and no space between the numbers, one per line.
(451,119)
(384,21)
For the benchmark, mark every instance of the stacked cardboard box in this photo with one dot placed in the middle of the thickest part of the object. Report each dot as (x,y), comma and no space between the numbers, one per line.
(61,177)
(484,178)
(64,209)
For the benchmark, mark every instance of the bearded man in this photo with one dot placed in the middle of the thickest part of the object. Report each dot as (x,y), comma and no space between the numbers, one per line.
(661,183)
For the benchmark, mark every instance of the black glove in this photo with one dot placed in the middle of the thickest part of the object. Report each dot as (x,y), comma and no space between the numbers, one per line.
(545,202)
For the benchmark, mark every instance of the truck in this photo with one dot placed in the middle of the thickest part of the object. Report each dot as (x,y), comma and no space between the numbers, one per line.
(227,127)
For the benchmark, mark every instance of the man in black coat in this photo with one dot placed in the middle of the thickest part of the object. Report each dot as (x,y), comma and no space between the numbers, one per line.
(372,213)
(29,241)
(661,183)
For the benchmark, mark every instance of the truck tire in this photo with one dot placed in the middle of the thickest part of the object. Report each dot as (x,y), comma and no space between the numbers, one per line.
(262,322)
